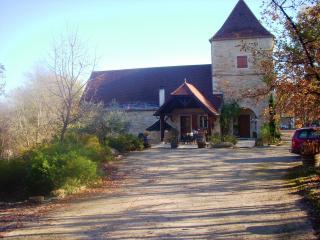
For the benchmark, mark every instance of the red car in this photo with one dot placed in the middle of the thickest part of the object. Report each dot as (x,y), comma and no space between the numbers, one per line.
(301,135)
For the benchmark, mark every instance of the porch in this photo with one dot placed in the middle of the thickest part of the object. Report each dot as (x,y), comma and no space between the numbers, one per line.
(189,112)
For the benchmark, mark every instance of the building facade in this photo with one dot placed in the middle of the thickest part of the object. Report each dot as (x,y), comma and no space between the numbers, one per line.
(189,98)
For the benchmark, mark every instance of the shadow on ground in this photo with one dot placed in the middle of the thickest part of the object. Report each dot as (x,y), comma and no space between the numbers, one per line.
(188,194)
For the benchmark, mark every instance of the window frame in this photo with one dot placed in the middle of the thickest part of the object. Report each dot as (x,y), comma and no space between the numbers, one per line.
(247,61)
(204,122)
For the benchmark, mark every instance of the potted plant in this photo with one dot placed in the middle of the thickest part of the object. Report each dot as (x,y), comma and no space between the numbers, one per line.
(201,140)
(310,151)
(174,138)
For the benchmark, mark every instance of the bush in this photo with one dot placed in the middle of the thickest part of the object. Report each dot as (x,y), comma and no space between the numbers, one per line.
(265,134)
(125,143)
(12,176)
(87,145)
(231,139)
(52,168)
(67,166)
(215,139)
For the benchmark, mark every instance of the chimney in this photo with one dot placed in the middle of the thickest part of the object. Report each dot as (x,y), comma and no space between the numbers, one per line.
(162,96)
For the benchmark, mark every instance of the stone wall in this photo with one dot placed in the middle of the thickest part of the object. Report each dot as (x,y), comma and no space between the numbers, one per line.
(233,82)
(140,120)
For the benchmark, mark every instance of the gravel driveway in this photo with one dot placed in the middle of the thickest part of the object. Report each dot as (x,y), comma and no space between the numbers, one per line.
(188,194)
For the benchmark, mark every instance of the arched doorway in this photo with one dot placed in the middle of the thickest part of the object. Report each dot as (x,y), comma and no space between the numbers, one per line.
(245,125)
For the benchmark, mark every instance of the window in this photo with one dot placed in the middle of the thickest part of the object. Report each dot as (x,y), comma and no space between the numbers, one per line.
(203,122)
(242,62)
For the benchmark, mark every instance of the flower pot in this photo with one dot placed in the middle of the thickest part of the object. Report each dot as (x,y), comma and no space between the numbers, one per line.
(201,144)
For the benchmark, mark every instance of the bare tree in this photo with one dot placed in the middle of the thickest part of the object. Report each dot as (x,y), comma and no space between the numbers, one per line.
(28,117)
(2,82)
(71,65)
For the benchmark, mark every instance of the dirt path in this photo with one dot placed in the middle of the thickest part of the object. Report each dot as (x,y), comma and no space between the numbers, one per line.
(188,194)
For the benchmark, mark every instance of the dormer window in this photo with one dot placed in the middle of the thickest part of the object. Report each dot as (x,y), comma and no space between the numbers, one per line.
(242,61)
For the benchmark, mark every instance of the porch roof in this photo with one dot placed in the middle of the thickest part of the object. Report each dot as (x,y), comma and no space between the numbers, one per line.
(187,90)
(156,127)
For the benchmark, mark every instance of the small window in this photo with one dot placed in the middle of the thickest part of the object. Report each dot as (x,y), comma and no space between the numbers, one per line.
(203,122)
(242,62)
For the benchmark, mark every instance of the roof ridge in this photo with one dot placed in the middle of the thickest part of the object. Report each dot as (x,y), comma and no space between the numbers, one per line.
(196,93)
(156,67)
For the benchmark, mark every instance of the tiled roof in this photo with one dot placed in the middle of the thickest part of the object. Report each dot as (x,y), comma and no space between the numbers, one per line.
(187,89)
(142,85)
(241,23)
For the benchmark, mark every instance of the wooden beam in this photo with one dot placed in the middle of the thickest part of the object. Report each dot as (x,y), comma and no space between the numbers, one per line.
(210,124)
(162,127)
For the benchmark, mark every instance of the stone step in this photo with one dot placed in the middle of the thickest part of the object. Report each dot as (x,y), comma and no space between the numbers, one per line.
(250,143)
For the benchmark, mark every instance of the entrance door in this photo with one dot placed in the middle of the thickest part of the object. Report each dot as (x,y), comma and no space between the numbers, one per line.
(244,126)
(185,123)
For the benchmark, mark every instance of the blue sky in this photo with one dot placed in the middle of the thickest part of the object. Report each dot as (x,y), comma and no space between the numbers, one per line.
(124,33)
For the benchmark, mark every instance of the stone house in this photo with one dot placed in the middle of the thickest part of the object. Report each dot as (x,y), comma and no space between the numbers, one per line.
(190,97)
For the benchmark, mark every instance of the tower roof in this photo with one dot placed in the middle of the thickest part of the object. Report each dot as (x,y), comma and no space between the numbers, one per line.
(241,23)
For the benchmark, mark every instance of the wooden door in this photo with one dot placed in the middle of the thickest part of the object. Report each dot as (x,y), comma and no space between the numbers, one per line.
(185,123)
(244,126)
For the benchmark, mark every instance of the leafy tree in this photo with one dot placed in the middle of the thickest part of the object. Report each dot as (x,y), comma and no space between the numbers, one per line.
(228,112)
(295,71)
(104,122)
(274,133)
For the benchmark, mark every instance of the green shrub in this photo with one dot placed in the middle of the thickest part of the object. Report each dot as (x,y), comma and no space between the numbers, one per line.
(229,111)
(12,175)
(68,165)
(215,139)
(52,168)
(78,167)
(125,143)
(230,138)
(39,179)
(88,146)
(265,133)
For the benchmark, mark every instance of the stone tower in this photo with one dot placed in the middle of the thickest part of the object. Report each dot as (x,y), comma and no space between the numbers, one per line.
(234,69)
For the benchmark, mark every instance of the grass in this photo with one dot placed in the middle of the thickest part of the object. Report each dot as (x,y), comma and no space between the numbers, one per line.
(307,181)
